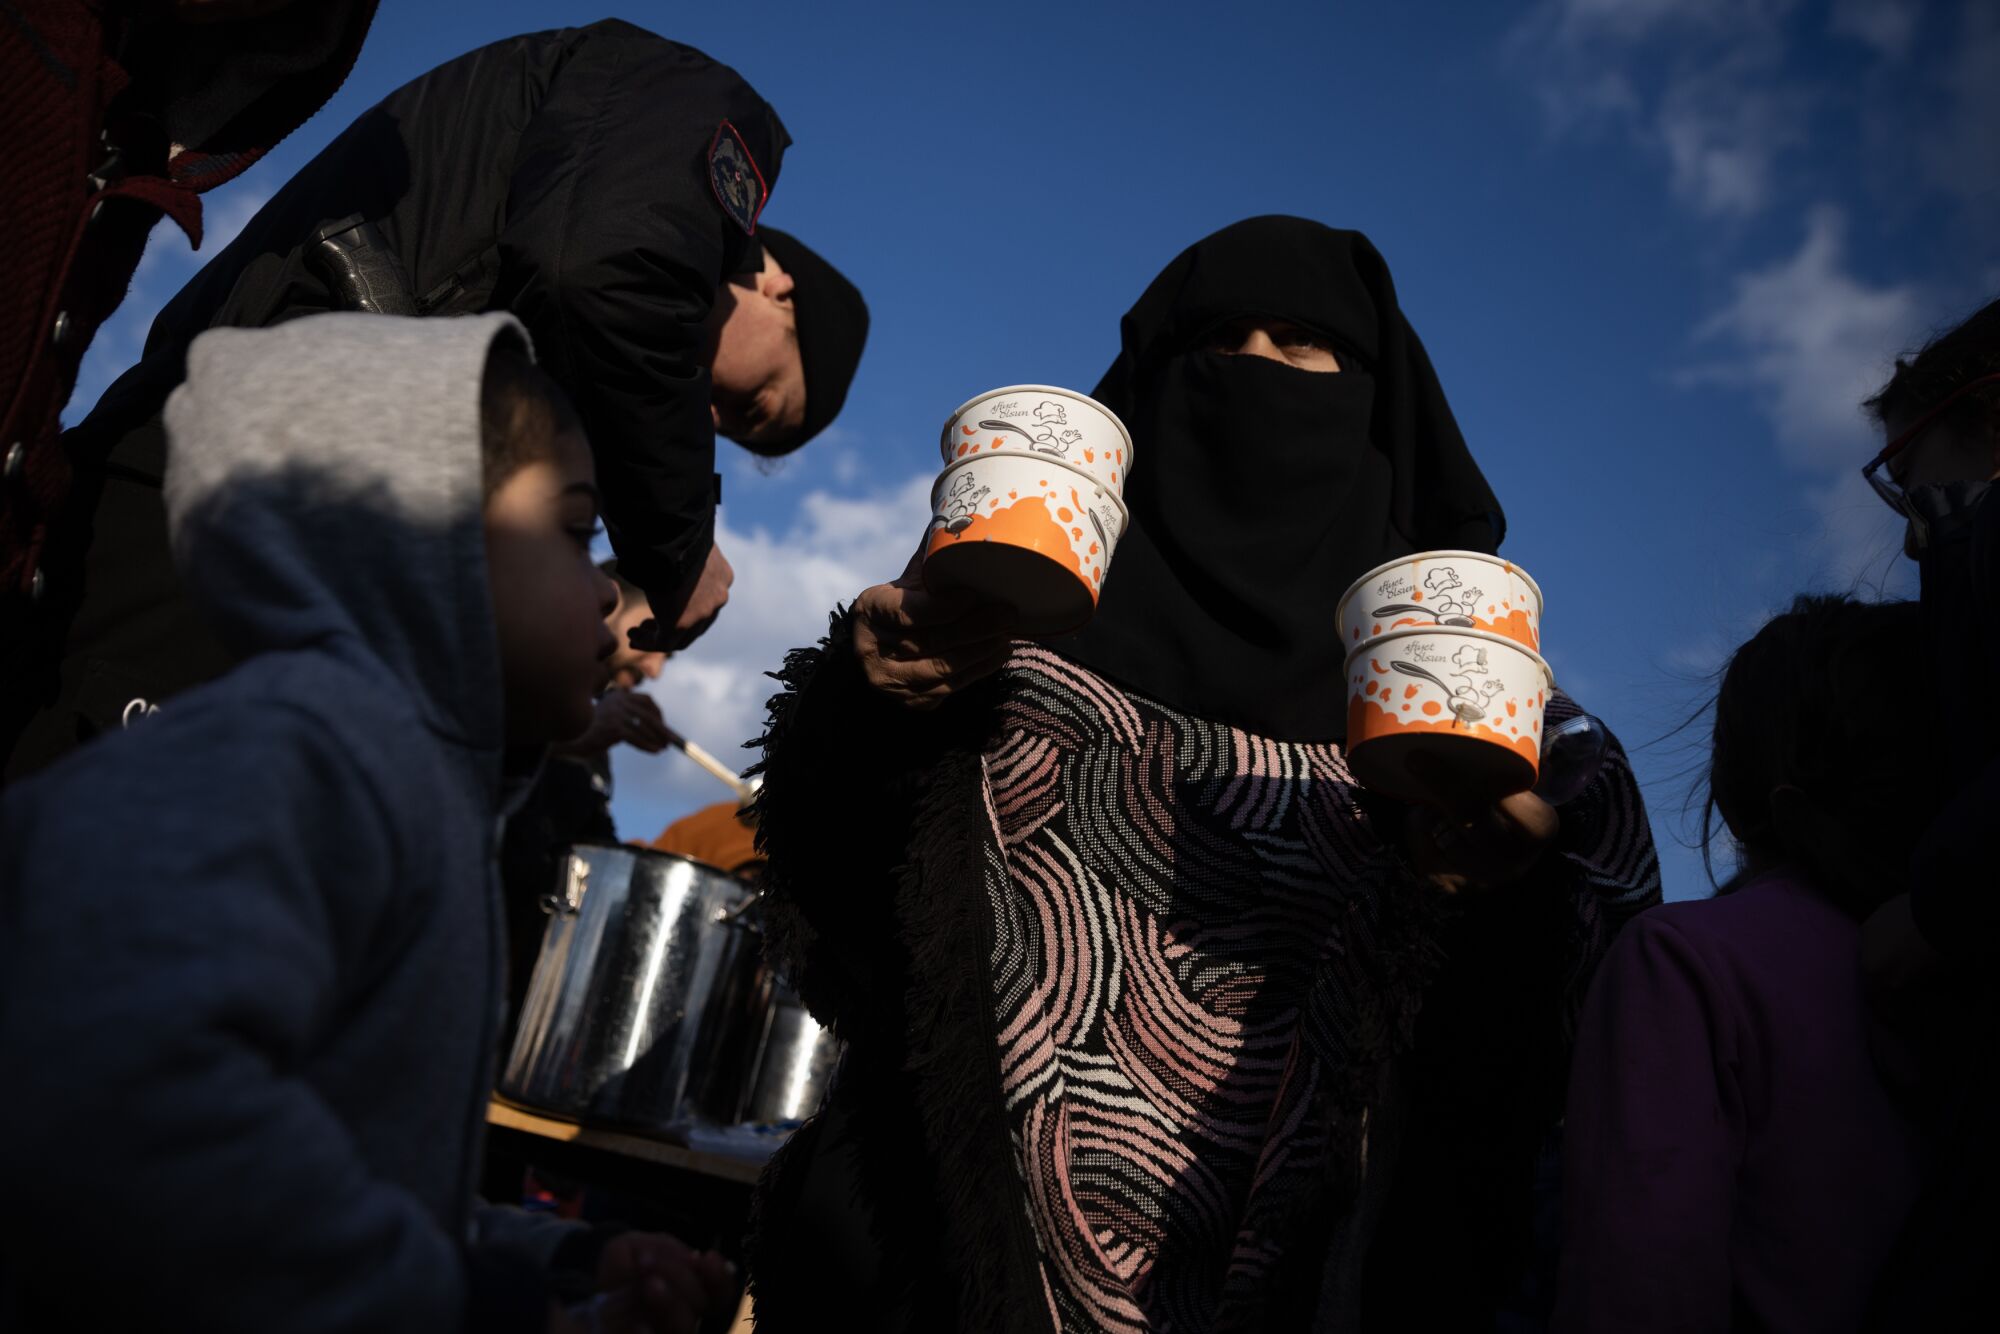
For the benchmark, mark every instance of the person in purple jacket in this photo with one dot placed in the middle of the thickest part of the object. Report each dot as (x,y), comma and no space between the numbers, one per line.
(1732,1159)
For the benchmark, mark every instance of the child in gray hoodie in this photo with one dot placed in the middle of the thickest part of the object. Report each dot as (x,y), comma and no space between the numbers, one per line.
(250,948)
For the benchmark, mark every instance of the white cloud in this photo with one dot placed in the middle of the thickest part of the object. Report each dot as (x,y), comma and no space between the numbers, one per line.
(1695,82)
(1723,129)
(1578,22)
(786,583)
(1812,340)
(1743,108)
(1887,25)
(1738,99)
(1715,170)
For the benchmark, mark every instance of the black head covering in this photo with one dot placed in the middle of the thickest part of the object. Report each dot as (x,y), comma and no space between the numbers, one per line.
(1258,491)
(833,327)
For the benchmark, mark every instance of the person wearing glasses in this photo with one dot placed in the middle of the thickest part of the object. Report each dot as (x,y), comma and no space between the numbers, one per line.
(1926,954)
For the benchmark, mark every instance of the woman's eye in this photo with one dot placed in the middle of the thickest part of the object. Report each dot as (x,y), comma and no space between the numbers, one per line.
(585,534)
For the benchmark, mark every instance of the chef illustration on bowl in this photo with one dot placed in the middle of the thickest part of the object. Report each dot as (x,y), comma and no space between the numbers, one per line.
(1451,601)
(1051,433)
(961,503)
(1468,702)
(1454,600)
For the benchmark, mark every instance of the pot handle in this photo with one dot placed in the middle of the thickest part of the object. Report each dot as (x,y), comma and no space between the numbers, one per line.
(569,899)
(730,916)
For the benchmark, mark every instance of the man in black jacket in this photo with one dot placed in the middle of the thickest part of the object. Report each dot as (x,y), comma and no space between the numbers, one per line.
(601,183)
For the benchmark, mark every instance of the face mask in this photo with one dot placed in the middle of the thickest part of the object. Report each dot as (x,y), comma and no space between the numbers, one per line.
(1959,566)
(1945,514)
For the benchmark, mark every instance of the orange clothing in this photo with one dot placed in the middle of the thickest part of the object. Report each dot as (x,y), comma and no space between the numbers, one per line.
(718,835)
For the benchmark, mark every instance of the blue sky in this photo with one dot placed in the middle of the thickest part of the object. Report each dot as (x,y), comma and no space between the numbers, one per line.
(1658,250)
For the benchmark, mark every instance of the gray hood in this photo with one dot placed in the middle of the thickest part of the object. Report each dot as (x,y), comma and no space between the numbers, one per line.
(324,489)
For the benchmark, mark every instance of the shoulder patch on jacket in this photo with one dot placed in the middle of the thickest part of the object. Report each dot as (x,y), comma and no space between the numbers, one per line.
(739,185)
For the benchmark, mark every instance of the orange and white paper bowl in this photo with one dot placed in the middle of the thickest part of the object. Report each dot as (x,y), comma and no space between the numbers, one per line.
(1450,716)
(1027,531)
(1461,590)
(1044,421)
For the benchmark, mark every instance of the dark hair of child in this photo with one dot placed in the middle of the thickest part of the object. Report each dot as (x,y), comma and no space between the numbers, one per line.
(521,412)
(627,590)
(1823,761)
(1955,357)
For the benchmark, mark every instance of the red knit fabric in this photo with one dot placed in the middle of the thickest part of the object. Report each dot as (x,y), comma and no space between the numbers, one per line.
(55,85)
(68,260)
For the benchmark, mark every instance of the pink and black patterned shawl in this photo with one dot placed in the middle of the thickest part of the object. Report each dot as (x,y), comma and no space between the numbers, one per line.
(1151,1026)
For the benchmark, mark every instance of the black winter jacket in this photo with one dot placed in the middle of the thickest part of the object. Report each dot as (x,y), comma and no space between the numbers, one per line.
(563,176)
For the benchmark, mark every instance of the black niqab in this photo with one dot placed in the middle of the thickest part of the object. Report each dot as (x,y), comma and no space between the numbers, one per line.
(1258,491)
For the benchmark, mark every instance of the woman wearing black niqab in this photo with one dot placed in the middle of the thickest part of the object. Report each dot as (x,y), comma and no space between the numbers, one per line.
(1260,491)
(1154,1019)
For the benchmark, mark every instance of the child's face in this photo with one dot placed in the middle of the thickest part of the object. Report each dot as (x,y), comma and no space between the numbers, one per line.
(629,667)
(549,598)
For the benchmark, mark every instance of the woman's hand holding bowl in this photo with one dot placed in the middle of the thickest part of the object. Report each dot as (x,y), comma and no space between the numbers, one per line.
(921,648)
(1482,847)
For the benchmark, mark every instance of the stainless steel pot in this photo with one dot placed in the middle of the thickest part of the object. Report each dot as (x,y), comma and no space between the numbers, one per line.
(794,1066)
(627,1017)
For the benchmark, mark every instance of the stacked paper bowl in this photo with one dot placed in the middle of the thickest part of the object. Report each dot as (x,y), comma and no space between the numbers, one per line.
(1446,685)
(1030,505)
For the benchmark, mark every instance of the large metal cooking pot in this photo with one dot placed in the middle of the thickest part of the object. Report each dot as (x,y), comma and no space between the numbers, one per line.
(628,1017)
(795,1064)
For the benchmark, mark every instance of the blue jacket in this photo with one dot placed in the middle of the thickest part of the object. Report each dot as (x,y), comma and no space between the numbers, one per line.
(250,948)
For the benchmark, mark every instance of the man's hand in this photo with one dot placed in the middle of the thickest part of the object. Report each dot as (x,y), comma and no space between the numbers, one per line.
(711,594)
(1471,850)
(622,716)
(920,648)
(672,1287)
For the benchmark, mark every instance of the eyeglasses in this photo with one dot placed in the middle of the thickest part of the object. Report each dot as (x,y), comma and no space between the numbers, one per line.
(1885,483)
